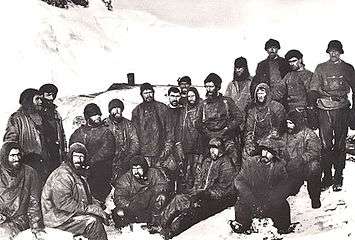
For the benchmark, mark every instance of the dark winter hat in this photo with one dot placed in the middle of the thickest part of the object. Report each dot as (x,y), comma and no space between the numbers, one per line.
(335,45)
(272,43)
(185,79)
(91,110)
(216,142)
(49,88)
(115,103)
(140,160)
(26,97)
(240,62)
(146,86)
(296,118)
(212,77)
(78,148)
(174,90)
(293,54)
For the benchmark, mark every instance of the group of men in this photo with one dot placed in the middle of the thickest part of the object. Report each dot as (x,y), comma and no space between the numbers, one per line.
(173,166)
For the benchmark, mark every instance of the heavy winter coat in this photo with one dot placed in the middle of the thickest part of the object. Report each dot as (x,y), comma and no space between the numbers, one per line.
(264,75)
(297,89)
(262,120)
(150,122)
(99,142)
(64,196)
(24,127)
(332,82)
(240,93)
(219,117)
(132,194)
(216,177)
(127,143)
(20,195)
(190,135)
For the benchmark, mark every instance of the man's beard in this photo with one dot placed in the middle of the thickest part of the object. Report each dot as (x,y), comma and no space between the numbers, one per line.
(94,123)
(211,94)
(174,103)
(116,117)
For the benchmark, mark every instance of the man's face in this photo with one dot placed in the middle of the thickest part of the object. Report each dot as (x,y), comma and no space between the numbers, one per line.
(211,89)
(290,125)
(137,171)
(214,152)
(184,86)
(191,97)
(174,98)
(334,55)
(116,112)
(78,160)
(261,95)
(239,71)
(49,96)
(295,63)
(15,158)
(148,95)
(272,51)
(37,102)
(96,119)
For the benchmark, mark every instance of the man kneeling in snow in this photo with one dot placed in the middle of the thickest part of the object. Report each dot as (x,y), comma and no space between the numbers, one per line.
(261,191)
(212,192)
(67,202)
(140,195)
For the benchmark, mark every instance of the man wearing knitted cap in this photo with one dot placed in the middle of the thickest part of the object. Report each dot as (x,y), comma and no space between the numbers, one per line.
(140,195)
(149,118)
(330,85)
(54,137)
(125,133)
(20,206)
(67,202)
(271,71)
(218,116)
(212,192)
(239,88)
(297,87)
(100,144)
(184,84)
(25,126)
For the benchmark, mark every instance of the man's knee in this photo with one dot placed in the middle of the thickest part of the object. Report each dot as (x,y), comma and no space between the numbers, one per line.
(314,169)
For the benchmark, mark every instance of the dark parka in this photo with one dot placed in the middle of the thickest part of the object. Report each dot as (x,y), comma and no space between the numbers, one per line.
(100,144)
(262,120)
(127,143)
(20,195)
(150,122)
(138,197)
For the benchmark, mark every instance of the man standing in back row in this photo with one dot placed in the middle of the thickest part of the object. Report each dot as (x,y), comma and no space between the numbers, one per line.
(330,85)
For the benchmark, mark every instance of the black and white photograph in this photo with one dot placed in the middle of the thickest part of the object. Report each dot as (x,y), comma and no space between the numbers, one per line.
(177,119)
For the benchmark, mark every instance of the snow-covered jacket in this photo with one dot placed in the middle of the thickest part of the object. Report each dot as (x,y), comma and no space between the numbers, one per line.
(150,122)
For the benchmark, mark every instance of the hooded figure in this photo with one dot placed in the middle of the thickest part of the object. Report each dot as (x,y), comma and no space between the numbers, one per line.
(20,193)
(67,202)
(239,88)
(265,117)
(140,194)
(100,144)
(260,187)
(25,126)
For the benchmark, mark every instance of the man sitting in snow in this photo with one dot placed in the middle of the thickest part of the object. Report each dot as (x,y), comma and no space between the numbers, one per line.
(261,192)
(140,194)
(212,192)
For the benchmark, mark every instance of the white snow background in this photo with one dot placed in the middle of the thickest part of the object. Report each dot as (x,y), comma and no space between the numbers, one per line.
(85,50)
